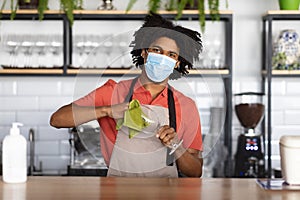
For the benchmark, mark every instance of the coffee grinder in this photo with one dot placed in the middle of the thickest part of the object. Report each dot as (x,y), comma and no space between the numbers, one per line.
(249,157)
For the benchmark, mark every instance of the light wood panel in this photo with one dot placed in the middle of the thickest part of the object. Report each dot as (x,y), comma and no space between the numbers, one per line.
(140,188)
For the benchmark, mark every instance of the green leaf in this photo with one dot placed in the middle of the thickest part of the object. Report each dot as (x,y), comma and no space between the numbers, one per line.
(201,13)
(154,5)
(130,5)
(13,7)
(170,5)
(214,9)
(68,7)
(43,5)
(78,4)
(2,7)
(180,8)
(191,2)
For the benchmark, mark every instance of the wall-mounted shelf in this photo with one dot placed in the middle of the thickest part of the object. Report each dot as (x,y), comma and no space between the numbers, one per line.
(283,73)
(110,71)
(81,15)
(268,73)
(117,72)
(108,15)
(284,13)
(31,71)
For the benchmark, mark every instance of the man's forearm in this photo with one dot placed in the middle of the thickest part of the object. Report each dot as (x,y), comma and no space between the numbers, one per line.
(189,164)
(72,115)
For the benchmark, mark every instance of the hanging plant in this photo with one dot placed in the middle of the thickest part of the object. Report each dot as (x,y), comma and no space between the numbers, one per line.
(2,7)
(13,8)
(180,5)
(15,5)
(43,5)
(68,6)
(153,5)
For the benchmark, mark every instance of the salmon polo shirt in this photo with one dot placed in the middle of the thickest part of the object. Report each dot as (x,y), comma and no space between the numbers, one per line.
(187,116)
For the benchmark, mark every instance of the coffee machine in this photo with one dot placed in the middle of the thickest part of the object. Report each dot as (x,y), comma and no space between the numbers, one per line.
(249,157)
(85,153)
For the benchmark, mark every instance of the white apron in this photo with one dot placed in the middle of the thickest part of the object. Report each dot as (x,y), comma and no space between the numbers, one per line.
(143,155)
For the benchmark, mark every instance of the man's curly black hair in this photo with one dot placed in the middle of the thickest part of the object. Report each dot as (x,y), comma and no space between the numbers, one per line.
(154,27)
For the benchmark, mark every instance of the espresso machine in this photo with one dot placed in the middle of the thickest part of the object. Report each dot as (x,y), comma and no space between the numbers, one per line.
(85,153)
(249,157)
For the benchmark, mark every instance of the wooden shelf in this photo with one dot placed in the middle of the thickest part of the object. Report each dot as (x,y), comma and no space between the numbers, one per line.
(110,71)
(209,71)
(283,72)
(104,71)
(33,11)
(113,12)
(31,71)
(283,12)
(138,71)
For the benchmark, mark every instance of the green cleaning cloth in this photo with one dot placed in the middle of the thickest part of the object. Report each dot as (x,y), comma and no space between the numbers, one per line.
(134,119)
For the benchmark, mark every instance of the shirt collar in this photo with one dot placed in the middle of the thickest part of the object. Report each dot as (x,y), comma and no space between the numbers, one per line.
(139,88)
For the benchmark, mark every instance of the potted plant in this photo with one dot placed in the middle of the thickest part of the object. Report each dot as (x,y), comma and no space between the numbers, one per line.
(289,4)
(13,7)
(180,5)
(68,6)
(40,5)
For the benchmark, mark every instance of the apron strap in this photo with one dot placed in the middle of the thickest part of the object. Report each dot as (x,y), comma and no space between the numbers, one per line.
(172,122)
(172,113)
(128,98)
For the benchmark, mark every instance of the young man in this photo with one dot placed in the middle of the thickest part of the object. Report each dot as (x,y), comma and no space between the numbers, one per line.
(163,51)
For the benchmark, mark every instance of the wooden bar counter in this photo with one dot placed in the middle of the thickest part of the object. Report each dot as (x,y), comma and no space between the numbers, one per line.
(50,187)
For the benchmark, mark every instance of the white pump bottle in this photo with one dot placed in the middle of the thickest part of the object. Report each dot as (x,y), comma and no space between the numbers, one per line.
(14,156)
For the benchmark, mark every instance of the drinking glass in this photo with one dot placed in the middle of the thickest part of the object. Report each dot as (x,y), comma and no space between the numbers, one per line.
(152,120)
(108,46)
(55,47)
(175,143)
(154,123)
(39,49)
(26,47)
(12,44)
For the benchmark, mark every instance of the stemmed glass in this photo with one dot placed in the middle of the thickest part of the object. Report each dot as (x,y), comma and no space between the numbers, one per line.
(175,143)
(40,46)
(55,47)
(217,54)
(12,43)
(108,45)
(27,45)
(94,51)
(88,47)
(79,51)
(154,123)
(124,50)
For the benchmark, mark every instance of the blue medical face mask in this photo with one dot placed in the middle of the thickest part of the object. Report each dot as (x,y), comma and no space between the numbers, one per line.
(159,67)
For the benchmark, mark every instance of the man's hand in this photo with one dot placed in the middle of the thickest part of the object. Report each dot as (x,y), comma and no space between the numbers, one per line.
(117,111)
(166,134)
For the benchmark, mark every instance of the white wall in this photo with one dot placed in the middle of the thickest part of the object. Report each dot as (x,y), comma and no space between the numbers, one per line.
(31,100)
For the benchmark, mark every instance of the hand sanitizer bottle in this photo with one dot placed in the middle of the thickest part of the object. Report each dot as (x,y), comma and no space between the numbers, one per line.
(14,156)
